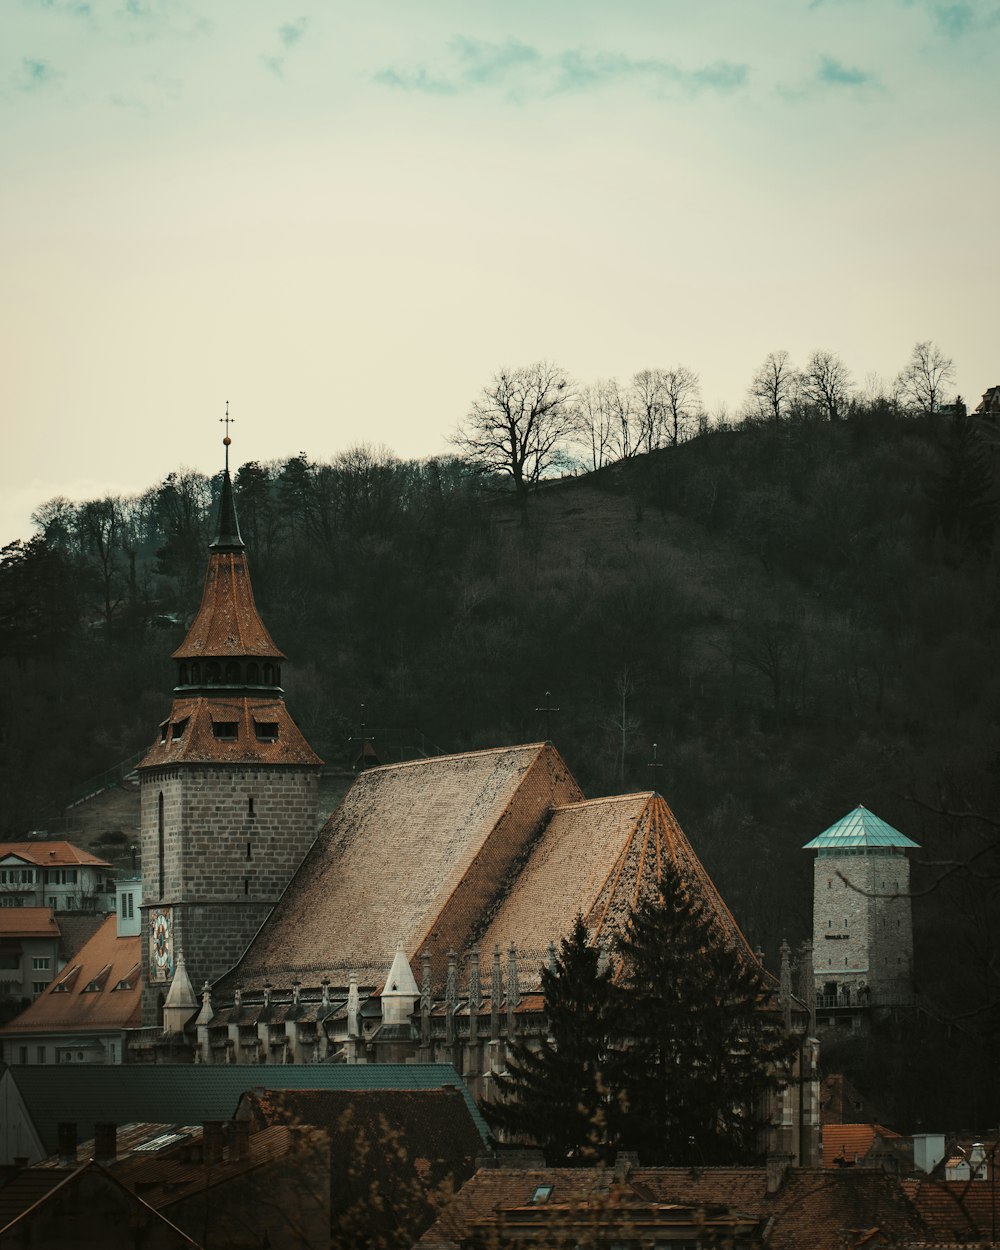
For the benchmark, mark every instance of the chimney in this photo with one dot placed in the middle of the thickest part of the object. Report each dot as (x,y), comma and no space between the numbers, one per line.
(239,1140)
(66,1130)
(105,1142)
(212,1141)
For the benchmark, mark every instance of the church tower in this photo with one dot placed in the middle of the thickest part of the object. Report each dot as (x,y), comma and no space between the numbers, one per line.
(862,920)
(229,787)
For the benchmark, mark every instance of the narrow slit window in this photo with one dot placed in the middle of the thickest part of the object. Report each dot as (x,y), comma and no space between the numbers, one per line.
(250,811)
(249,854)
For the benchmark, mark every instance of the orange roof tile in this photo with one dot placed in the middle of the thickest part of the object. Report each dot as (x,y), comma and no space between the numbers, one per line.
(227,623)
(69,1006)
(954,1210)
(51,854)
(414,853)
(851,1141)
(188,735)
(27,922)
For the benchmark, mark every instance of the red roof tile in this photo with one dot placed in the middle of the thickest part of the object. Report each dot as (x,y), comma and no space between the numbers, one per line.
(51,854)
(227,623)
(851,1141)
(189,735)
(27,922)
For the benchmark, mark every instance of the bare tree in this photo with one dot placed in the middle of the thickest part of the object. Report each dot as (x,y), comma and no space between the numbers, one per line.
(774,385)
(682,389)
(596,421)
(625,436)
(827,383)
(649,401)
(519,424)
(925,375)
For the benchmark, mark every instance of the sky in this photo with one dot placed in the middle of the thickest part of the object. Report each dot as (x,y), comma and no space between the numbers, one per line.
(343,218)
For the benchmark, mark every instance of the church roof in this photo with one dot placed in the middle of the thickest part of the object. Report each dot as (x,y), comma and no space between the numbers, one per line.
(229,729)
(416,853)
(228,623)
(597,858)
(859,828)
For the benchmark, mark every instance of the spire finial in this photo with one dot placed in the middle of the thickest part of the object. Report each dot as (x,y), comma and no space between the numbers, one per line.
(227,420)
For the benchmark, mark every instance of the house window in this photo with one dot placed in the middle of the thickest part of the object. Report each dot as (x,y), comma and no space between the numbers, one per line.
(128,906)
(39,987)
(41,1054)
(40,963)
(23,1054)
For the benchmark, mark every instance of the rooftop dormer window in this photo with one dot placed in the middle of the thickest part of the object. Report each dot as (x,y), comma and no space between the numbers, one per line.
(226,730)
(177,729)
(267,731)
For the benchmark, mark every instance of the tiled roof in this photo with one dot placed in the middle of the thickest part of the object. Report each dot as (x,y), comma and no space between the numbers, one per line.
(851,1141)
(859,828)
(811,1209)
(53,854)
(191,1094)
(106,960)
(75,931)
(28,922)
(227,623)
(196,741)
(597,858)
(415,854)
(955,1210)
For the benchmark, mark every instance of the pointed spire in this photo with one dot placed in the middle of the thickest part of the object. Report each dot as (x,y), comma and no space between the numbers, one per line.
(180,1002)
(227,528)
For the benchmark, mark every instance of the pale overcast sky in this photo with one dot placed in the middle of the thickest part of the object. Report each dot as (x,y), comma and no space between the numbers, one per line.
(344,217)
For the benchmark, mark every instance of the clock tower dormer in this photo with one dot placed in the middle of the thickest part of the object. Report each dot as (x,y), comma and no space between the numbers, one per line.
(229,786)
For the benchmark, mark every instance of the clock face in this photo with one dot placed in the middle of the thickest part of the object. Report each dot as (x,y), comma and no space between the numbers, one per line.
(161,945)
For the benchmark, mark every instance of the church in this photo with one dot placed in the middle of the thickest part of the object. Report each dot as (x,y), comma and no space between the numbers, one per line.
(411,927)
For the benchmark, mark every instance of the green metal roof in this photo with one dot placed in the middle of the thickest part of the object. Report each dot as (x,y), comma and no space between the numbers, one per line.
(190,1094)
(859,828)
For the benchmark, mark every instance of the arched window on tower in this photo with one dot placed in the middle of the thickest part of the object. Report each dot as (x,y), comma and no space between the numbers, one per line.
(195,673)
(253,674)
(213,672)
(184,675)
(159,837)
(268,675)
(233,673)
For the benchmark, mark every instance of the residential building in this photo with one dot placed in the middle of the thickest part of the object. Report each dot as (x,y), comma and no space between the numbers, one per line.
(57,875)
(29,953)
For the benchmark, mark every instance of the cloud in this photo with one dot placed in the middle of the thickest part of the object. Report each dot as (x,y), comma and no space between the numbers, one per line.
(953,20)
(34,75)
(835,74)
(523,70)
(288,36)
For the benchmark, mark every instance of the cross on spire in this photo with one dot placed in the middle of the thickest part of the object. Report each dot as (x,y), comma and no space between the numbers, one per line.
(654,765)
(366,756)
(548,710)
(227,420)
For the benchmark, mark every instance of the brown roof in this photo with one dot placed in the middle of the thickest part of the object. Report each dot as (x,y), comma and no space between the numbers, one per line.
(415,853)
(811,1210)
(51,854)
(27,922)
(598,858)
(955,1210)
(227,623)
(68,1006)
(188,735)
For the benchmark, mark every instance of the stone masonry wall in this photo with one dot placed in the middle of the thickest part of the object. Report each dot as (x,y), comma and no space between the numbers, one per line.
(858,935)
(226,859)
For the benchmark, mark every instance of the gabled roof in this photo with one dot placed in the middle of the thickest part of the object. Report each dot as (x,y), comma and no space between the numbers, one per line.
(859,828)
(415,853)
(851,1142)
(191,739)
(68,1005)
(955,1211)
(27,922)
(192,1093)
(598,858)
(54,854)
(811,1208)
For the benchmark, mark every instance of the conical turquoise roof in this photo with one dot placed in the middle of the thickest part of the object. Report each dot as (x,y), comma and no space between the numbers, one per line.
(859,828)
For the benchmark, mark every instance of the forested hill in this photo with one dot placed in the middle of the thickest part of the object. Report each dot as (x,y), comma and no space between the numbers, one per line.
(801,616)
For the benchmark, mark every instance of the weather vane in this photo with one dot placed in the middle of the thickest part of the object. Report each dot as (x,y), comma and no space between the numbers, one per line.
(228,421)
(548,710)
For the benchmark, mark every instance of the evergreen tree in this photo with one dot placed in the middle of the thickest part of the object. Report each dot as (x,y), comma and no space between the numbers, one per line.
(696,1057)
(555,1096)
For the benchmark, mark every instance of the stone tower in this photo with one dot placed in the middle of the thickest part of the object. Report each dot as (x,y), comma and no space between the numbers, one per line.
(228,789)
(862,921)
